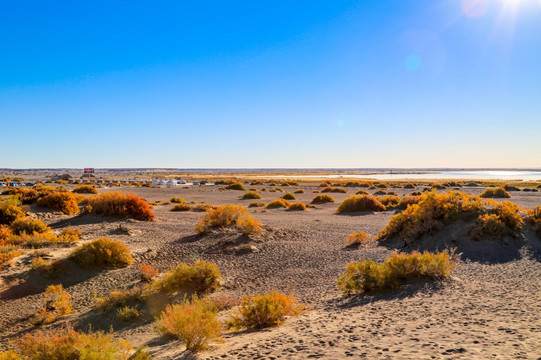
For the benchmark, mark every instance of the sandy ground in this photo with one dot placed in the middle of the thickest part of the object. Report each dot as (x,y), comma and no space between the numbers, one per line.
(488,310)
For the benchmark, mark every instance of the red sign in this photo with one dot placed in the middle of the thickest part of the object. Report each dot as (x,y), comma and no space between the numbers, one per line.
(89,171)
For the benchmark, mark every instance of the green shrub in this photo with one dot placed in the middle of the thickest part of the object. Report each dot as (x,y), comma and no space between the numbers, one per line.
(320,199)
(356,203)
(251,195)
(367,275)
(201,277)
(102,252)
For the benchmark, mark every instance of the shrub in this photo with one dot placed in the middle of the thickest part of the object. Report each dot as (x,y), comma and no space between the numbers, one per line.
(57,304)
(71,234)
(228,215)
(320,199)
(495,193)
(181,207)
(357,203)
(367,275)
(67,344)
(296,207)
(510,188)
(409,186)
(431,214)
(408,200)
(353,184)
(117,204)
(9,213)
(289,196)
(235,186)
(28,226)
(177,200)
(256,204)
(362,192)
(509,213)
(7,253)
(63,201)
(128,313)
(201,277)
(390,201)
(49,269)
(334,190)
(380,192)
(279,189)
(278,203)
(262,311)
(147,272)
(102,252)
(85,189)
(358,238)
(194,323)
(533,216)
(382,186)
(203,207)
(416,193)
(251,195)
(488,226)
(299,191)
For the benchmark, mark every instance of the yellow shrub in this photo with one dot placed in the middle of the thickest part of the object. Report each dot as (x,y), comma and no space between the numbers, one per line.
(235,186)
(85,189)
(181,207)
(57,304)
(488,226)
(495,193)
(362,192)
(128,313)
(390,201)
(29,226)
(194,323)
(534,217)
(102,252)
(7,253)
(278,203)
(289,196)
(119,298)
(65,202)
(228,215)
(147,272)
(356,203)
(9,213)
(334,190)
(49,269)
(251,195)
(358,238)
(71,234)
(380,192)
(177,200)
(262,311)
(320,199)
(367,275)
(297,207)
(202,277)
(408,200)
(256,204)
(299,191)
(509,213)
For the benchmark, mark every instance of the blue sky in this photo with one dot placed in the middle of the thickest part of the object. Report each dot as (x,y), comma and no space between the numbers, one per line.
(386,83)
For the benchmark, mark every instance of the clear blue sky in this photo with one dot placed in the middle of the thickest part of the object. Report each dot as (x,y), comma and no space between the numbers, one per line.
(379,83)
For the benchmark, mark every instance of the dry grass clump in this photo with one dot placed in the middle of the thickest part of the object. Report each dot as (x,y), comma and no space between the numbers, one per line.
(362,192)
(353,184)
(68,344)
(102,252)
(228,215)
(367,275)
(278,203)
(181,207)
(431,214)
(256,204)
(85,189)
(202,277)
(380,192)
(334,190)
(533,216)
(289,196)
(390,201)
(321,199)
(262,311)
(9,213)
(117,204)
(71,234)
(194,323)
(409,186)
(357,239)
(356,203)
(296,207)
(299,191)
(177,200)
(251,195)
(235,186)
(495,193)
(203,207)
(63,201)
(128,313)
(57,304)
(28,226)
(324,184)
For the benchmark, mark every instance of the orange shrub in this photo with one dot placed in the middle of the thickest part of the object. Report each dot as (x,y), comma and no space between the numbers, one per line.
(63,201)
(320,199)
(181,207)
(85,189)
(57,304)
(358,238)
(9,213)
(488,226)
(117,204)
(177,200)
(390,201)
(362,192)
(357,203)
(228,215)
(278,203)
(147,272)
(408,200)
(296,207)
(334,190)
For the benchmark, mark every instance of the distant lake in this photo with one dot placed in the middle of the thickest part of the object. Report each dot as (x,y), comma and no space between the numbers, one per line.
(462,175)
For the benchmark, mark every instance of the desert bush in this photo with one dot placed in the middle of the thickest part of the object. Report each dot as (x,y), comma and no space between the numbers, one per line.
(279,189)
(533,216)
(382,186)
(202,277)
(278,203)
(353,184)
(251,195)
(431,214)
(508,187)
(299,191)
(102,252)
(509,213)
(7,253)
(181,207)
(256,204)
(324,184)
(177,200)
(65,202)
(128,313)
(71,234)
(9,213)
(362,192)
(357,239)
(356,203)
(408,200)
(228,215)
(390,201)
(495,193)
(28,226)
(203,207)
(367,275)
(316,192)
(334,190)
(409,186)
(263,190)
(416,193)
(262,311)
(85,189)
(235,186)
(320,199)
(297,207)
(57,304)
(289,196)
(117,204)
(293,183)
(488,225)
(194,323)
(380,192)
(49,269)
(147,272)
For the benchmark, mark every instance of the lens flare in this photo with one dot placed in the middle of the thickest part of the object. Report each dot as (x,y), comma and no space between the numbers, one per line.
(475,8)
